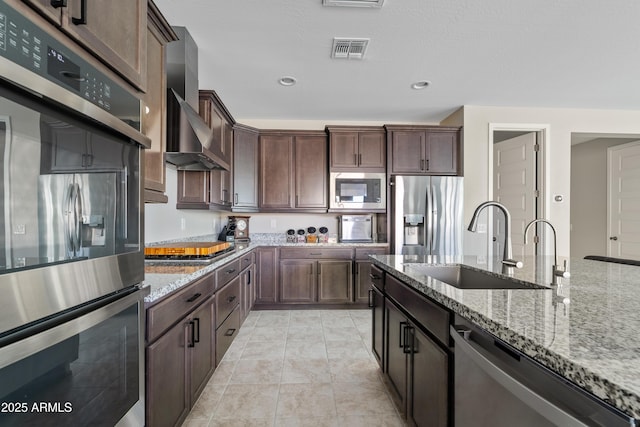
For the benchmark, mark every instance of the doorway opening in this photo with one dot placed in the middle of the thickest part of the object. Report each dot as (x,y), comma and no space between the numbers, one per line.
(604,223)
(518,177)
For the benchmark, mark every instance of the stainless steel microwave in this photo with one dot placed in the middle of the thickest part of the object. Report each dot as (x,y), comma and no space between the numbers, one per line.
(358,191)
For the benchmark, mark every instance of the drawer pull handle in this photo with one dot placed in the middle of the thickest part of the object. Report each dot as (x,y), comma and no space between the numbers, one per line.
(315,253)
(83,14)
(233,270)
(59,3)
(229,332)
(194,297)
(375,277)
(231,299)
(371,300)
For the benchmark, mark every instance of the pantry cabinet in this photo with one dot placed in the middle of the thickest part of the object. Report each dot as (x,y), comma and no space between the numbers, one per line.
(424,150)
(293,171)
(357,149)
(115,31)
(154,104)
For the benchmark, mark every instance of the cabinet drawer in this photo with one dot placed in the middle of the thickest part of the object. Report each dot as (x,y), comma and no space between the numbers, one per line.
(246,260)
(227,272)
(427,313)
(376,277)
(166,313)
(226,333)
(363,253)
(227,299)
(316,253)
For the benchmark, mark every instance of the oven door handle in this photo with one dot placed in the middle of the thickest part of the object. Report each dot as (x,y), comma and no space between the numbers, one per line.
(74,219)
(482,358)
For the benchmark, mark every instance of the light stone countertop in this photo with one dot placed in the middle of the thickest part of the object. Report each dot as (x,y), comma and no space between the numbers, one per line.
(587,329)
(163,278)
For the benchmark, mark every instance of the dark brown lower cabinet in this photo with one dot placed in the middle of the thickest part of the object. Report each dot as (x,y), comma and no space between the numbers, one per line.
(266,275)
(335,281)
(188,348)
(418,369)
(297,280)
(376,302)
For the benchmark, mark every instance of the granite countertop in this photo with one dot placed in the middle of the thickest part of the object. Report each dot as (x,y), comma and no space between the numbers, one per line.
(163,278)
(585,329)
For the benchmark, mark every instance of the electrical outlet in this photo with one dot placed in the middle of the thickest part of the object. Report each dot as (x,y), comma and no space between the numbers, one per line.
(273,223)
(183,224)
(482,228)
(19,229)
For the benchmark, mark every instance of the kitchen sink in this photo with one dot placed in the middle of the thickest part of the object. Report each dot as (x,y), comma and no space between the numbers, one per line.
(463,277)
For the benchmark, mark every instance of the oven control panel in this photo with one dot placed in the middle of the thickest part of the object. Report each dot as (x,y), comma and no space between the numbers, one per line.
(22,42)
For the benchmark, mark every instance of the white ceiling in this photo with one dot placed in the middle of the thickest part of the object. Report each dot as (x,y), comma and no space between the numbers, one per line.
(543,53)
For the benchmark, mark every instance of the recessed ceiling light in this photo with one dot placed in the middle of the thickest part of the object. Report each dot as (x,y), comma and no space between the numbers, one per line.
(421,84)
(287,81)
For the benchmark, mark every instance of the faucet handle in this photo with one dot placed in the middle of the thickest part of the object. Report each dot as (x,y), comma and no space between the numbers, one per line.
(562,273)
(512,263)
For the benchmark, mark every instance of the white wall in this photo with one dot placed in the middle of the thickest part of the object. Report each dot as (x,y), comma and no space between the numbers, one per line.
(562,123)
(164,222)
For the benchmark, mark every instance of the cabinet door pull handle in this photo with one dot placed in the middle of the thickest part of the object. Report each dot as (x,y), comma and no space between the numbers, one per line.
(421,164)
(235,198)
(59,3)
(231,299)
(83,14)
(355,158)
(401,334)
(229,332)
(196,329)
(374,276)
(359,159)
(194,297)
(371,298)
(192,326)
(408,336)
(427,161)
(249,277)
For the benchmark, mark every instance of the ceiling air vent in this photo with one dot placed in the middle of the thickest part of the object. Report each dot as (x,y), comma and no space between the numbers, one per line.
(349,48)
(353,3)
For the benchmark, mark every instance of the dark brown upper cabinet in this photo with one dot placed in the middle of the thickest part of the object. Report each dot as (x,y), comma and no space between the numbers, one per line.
(293,171)
(424,150)
(245,168)
(353,149)
(115,31)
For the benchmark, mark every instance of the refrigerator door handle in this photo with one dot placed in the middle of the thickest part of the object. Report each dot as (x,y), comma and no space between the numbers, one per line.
(430,219)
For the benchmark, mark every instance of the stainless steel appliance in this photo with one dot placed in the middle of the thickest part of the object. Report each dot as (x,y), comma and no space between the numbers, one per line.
(71,235)
(357,191)
(498,386)
(355,228)
(427,215)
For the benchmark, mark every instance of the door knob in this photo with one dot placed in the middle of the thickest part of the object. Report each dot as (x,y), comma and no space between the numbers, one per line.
(613,238)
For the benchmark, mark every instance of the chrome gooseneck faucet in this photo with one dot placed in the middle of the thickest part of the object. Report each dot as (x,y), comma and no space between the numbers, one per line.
(556,272)
(507,260)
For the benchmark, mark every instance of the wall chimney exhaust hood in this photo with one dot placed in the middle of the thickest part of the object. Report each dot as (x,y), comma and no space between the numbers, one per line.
(190,142)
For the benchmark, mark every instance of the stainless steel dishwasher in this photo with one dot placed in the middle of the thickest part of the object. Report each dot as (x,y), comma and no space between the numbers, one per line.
(496,385)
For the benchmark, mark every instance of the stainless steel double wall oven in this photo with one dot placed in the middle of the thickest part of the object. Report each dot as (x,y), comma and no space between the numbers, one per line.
(71,236)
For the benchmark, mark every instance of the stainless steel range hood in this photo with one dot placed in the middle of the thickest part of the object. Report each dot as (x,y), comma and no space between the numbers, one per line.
(189,139)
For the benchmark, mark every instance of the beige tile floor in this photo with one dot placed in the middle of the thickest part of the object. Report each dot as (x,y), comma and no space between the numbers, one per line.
(298,368)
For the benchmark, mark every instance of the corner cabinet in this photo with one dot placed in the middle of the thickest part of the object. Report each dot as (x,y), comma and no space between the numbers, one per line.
(245,168)
(211,189)
(357,149)
(424,150)
(115,31)
(154,122)
(293,171)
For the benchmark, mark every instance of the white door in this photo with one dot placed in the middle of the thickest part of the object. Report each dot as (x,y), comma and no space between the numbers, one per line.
(514,185)
(624,201)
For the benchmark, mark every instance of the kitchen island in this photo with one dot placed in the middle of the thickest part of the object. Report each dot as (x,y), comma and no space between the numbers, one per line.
(586,329)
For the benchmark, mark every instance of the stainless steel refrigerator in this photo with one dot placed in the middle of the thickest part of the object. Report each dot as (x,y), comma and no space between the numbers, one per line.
(427,215)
